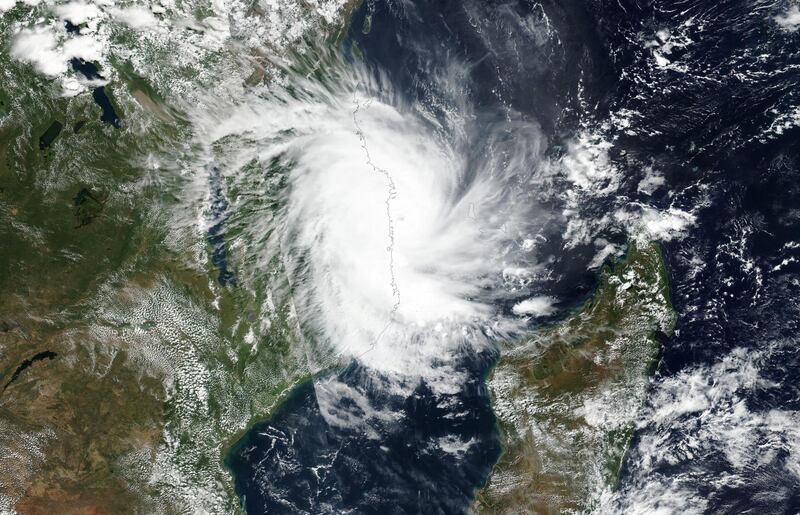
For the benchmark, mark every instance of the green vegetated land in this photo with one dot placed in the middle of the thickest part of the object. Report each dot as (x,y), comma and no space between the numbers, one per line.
(126,369)
(567,398)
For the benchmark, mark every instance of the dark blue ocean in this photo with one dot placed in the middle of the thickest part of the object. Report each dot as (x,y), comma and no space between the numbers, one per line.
(710,96)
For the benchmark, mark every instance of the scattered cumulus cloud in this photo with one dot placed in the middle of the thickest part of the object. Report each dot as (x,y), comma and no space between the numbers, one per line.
(652,181)
(593,177)
(704,411)
(651,224)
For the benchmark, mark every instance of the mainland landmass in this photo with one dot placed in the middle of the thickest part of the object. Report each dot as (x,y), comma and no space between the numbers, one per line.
(134,352)
(134,349)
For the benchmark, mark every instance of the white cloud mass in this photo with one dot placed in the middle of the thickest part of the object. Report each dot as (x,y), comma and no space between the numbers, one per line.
(790,20)
(535,306)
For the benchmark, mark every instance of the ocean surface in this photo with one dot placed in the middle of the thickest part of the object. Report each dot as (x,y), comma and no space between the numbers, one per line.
(693,107)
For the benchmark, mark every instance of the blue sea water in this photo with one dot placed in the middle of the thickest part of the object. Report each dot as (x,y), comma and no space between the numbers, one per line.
(306,459)
(707,91)
(430,452)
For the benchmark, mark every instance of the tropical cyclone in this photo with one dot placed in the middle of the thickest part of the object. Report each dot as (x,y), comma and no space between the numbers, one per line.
(125,241)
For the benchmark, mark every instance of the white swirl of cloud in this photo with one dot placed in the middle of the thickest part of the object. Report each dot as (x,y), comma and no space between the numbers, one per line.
(395,222)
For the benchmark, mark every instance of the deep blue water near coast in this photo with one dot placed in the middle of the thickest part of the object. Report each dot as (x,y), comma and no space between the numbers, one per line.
(426,453)
(704,124)
(301,460)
